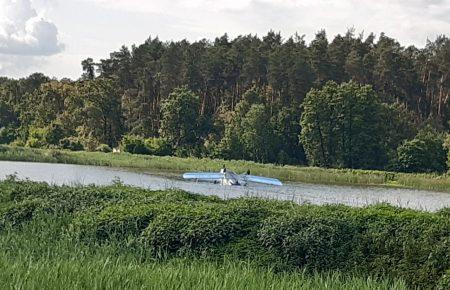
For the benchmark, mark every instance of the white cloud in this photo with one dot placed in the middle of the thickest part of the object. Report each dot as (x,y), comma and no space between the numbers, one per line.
(409,21)
(24,32)
(94,28)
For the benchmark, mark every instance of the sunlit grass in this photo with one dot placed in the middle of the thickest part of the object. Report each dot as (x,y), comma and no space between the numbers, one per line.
(285,173)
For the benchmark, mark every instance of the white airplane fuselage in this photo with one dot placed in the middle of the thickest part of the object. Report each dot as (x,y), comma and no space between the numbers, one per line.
(231,178)
(226,177)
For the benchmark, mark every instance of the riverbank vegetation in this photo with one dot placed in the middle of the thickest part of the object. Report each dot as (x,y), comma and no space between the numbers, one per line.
(355,102)
(123,236)
(168,164)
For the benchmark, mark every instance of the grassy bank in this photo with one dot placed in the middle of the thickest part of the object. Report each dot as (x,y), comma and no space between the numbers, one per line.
(176,236)
(178,165)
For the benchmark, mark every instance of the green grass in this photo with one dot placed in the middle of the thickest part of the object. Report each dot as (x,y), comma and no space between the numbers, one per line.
(39,256)
(177,165)
(49,229)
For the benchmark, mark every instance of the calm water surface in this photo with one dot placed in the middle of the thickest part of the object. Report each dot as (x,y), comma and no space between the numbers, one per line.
(298,192)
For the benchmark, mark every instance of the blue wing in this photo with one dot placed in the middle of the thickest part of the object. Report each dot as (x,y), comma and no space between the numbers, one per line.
(203,175)
(265,180)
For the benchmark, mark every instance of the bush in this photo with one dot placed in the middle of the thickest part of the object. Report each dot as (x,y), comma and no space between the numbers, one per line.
(380,240)
(134,144)
(18,143)
(7,135)
(53,133)
(103,148)
(158,146)
(36,138)
(444,282)
(200,228)
(425,153)
(71,143)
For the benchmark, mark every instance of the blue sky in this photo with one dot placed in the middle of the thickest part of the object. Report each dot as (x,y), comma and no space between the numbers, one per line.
(53,36)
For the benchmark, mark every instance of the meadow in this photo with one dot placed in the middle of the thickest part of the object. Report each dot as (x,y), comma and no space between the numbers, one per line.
(124,237)
(166,164)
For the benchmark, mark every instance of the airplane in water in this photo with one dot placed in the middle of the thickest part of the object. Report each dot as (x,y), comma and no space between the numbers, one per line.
(226,177)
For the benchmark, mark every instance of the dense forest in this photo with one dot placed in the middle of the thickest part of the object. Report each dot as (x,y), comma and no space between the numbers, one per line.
(355,102)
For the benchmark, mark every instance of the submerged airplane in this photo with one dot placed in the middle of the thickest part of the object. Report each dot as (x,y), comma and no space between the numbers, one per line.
(226,177)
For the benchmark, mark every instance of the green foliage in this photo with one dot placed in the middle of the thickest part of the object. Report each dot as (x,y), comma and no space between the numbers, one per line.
(180,117)
(158,146)
(200,228)
(424,153)
(257,134)
(103,148)
(36,138)
(378,241)
(134,144)
(444,282)
(38,256)
(7,135)
(342,126)
(195,95)
(71,143)
(447,146)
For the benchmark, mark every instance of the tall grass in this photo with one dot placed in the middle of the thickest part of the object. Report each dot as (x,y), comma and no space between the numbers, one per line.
(177,165)
(39,222)
(39,256)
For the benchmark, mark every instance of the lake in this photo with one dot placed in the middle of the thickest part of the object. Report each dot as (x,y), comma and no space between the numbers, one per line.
(298,192)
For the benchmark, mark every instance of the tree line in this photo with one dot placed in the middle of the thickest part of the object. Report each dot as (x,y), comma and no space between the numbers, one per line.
(354,102)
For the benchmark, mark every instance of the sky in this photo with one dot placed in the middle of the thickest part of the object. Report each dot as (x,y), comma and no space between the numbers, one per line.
(54,36)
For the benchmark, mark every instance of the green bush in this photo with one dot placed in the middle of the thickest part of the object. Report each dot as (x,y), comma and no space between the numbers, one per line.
(17,143)
(201,228)
(103,148)
(7,135)
(33,142)
(158,146)
(378,240)
(134,144)
(425,153)
(444,282)
(71,143)
(46,136)
(53,133)
(121,221)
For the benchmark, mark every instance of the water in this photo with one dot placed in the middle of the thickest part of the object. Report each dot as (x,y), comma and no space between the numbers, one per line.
(297,192)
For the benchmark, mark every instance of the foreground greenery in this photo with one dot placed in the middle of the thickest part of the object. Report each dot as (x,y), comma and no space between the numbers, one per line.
(178,165)
(36,260)
(134,233)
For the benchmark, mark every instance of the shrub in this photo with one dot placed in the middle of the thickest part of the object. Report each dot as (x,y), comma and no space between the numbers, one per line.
(103,148)
(33,142)
(425,153)
(71,143)
(134,144)
(53,133)
(123,221)
(7,135)
(158,146)
(18,143)
(36,138)
(377,240)
(444,282)
(200,228)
